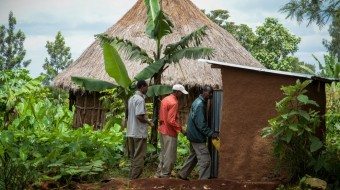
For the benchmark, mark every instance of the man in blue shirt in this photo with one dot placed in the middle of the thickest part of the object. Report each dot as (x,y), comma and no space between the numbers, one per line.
(197,133)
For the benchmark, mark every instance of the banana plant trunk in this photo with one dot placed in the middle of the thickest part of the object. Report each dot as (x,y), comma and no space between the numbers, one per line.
(156,106)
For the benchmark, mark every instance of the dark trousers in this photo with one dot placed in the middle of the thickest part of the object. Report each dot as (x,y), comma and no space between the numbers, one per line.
(137,153)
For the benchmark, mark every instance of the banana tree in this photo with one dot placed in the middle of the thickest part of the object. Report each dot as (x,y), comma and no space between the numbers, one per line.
(158,26)
(331,66)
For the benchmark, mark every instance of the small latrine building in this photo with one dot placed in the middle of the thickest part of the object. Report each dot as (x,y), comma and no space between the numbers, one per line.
(248,101)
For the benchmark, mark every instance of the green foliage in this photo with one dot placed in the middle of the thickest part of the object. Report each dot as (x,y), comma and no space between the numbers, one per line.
(114,66)
(295,143)
(190,53)
(16,86)
(159,90)
(91,84)
(130,50)
(275,40)
(183,150)
(59,57)
(313,10)
(244,34)
(219,16)
(333,46)
(150,70)
(112,101)
(330,67)
(296,146)
(195,37)
(319,12)
(12,52)
(153,9)
(38,143)
(271,44)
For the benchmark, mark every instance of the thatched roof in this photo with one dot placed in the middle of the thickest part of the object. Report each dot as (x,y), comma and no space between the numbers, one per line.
(186,18)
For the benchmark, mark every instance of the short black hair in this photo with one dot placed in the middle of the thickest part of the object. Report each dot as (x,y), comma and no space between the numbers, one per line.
(207,88)
(141,83)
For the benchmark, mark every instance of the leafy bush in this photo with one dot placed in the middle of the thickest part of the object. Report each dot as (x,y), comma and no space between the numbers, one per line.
(295,143)
(296,146)
(38,143)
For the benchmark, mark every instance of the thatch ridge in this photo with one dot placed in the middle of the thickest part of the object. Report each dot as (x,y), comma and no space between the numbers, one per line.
(186,18)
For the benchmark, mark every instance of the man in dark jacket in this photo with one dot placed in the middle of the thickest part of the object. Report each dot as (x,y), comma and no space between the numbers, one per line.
(197,133)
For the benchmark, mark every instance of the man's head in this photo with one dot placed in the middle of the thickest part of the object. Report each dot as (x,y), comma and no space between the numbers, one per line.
(207,92)
(179,90)
(142,86)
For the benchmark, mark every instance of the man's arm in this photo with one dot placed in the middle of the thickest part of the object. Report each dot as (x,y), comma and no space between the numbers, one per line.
(143,119)
(172,117)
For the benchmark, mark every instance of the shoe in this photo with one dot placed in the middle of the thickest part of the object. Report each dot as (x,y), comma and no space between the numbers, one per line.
(156,176)
(182,178)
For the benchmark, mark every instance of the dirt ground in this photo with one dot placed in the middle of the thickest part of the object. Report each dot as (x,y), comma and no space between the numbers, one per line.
(177,184)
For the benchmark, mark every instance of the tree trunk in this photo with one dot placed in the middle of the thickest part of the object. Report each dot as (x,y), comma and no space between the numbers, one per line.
(156,105)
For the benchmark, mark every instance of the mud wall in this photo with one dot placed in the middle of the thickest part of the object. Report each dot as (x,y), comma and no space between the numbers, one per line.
(248,102)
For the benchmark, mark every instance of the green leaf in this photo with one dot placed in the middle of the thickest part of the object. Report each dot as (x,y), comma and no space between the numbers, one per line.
(159,90)
(150,70)
(303,98)
(304,114)
(153,9)
(91,84)
(23,154)
(163,26)
(288,136)
(114,66)
(307,69)
(294,127)
(196,37)
(190,53)
(129,50)
(316,144)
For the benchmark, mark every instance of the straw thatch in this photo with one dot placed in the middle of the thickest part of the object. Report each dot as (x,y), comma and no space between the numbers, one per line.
(186,18)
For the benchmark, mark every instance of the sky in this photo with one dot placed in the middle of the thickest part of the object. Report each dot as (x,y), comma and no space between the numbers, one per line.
(80,20)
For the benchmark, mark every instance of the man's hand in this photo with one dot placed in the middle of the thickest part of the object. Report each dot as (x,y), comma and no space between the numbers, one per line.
(215,135)
(151,124)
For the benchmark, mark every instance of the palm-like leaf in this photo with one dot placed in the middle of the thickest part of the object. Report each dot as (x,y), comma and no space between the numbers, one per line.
(195,38)
(91,84)
(130,50)
(150,70)
(163,26)
(159,90)
(153,9)
(190,53)
(114,65)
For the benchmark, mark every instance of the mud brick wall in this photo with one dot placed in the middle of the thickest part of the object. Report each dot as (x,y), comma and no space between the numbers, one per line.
(249,99)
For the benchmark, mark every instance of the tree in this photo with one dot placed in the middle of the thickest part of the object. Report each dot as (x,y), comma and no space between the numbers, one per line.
(272,44)
(12,52)
(330,67)
(59,57)
(333,46)
(158,26)
(319,12)
(218,16)
(313,10)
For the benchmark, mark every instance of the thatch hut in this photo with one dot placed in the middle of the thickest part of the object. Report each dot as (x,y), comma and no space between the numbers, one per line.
(186,18)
